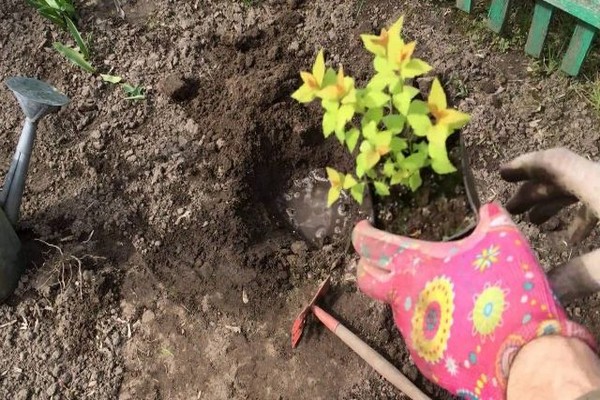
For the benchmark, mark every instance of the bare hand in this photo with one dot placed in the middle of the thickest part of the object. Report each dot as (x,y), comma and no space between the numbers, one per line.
(553,179)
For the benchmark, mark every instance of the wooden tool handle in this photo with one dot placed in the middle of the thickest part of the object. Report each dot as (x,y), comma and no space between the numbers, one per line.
(367,353)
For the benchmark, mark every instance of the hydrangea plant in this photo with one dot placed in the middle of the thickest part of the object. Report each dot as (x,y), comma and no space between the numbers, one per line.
(392,133)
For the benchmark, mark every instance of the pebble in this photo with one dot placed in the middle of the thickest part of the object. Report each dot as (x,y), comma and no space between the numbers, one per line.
(115,339)
(148,316)
(51,389)
(23,394)
(95,134)
(299,247)
(220,143)
(294,46)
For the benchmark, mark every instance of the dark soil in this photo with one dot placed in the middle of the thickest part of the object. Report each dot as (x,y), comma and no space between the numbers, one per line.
(166,270)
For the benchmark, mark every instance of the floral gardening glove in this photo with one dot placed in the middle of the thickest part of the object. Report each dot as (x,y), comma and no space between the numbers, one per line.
(464,308)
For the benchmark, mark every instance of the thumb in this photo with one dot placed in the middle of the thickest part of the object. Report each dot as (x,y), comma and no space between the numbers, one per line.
(374,271)
(375,246)
(375,282)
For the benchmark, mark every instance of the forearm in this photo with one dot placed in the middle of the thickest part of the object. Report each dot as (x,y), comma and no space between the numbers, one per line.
(553,367)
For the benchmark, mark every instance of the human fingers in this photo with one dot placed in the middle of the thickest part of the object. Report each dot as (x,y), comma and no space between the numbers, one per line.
(533,193)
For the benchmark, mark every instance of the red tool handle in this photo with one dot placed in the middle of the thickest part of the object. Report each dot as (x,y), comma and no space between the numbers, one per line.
(367,353)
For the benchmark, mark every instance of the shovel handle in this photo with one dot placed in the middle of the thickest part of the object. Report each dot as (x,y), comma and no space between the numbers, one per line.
(367,353)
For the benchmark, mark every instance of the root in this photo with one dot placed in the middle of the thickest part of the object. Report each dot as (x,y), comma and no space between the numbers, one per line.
(65,267)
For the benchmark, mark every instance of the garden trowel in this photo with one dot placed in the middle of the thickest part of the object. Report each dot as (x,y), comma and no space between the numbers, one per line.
(36,99)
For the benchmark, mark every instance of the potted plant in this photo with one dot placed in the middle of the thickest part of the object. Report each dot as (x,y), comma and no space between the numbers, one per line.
(403,141)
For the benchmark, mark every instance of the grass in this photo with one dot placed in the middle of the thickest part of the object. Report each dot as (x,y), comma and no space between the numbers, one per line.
(587,85)
(589,90)
(63,14)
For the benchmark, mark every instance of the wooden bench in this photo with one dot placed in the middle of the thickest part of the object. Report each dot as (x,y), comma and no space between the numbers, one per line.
(587,13)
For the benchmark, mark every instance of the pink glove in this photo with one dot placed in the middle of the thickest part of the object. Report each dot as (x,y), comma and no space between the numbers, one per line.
(464,308)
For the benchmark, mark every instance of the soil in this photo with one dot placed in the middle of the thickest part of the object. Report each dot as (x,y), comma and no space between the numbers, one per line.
(160,266)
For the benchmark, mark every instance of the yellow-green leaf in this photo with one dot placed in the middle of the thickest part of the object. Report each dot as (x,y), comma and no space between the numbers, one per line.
(340,134)
(329,78)
(352,138)
(381,188)
(382,65)
(345,113)
(394,122)
(398,144)
(335,177)
(371,45)
(437,97)
(330,105)
(380,80)
(399,177)
(372,115)
(367,160)
(419,123)
(418,107)
(415,67)
(370,129)
(414,162)
(396,27)
(349,182)
(442,166)
(329,123)
(333,195)
(357,192)
(439,159)
(454,119)
(318,69)
(415,181)
(389,168)
(438,134)
(402,101)
(375,99)
(382,140)
(304,94)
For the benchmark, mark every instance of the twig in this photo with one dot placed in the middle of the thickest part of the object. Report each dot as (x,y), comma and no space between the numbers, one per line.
(14,321)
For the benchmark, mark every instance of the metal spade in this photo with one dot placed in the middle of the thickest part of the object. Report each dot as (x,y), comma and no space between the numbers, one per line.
(36,99)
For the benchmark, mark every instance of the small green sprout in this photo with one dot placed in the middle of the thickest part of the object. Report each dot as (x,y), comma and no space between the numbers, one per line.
(114,79)
(133,92)
(75,56)
(392,133)
(57,11)
(62,13)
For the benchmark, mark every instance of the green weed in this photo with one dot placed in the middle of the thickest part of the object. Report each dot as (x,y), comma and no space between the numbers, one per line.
(62,13)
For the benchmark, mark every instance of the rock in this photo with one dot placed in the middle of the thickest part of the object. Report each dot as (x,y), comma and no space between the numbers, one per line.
(95,134)
(23,394)
(148,316)
(299,247)
(177,88)
(51,389)
(294,46)
(220,143)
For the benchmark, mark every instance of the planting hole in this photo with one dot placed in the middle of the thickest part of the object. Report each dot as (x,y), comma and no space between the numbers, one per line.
(304,206)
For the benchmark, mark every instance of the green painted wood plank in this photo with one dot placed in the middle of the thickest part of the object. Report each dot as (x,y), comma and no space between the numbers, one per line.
(497,14)
(465,5)
(539,28)
(579,46)
(586,10)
